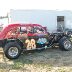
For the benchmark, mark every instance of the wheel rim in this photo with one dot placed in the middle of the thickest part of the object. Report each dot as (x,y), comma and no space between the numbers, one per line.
(67,44)
(13,51)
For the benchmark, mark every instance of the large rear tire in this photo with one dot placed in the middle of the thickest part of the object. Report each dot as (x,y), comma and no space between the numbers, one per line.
(12,50)
(65,44)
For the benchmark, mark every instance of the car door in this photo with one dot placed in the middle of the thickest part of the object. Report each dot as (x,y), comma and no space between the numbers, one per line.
(40,36)
(26,36)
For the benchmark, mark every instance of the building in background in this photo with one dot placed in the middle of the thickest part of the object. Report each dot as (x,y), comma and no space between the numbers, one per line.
(4,21)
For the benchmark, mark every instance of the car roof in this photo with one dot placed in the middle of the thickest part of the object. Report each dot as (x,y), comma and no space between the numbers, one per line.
(10,26)
(15,25)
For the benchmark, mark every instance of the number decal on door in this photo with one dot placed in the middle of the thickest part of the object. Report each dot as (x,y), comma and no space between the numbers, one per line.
(30,44)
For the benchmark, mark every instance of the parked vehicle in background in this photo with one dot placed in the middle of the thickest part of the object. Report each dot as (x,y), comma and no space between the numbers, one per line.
(16,38)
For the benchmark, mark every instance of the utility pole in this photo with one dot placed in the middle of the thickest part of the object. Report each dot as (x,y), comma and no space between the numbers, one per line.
(8,18)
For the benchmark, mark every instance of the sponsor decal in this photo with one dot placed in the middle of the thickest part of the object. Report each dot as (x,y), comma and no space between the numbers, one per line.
(42,40)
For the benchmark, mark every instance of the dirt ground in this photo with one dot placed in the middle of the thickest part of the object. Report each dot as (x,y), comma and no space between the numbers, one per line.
(49,60)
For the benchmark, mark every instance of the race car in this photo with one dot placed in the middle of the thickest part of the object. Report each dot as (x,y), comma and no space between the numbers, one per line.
(16,38)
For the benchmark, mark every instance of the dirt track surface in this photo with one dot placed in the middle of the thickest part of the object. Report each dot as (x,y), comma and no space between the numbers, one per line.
(50,60)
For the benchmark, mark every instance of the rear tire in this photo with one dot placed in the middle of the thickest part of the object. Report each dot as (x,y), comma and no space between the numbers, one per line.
(65,44)
(12,50)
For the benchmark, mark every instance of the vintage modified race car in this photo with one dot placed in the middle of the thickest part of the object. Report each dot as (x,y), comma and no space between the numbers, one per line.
(16,38)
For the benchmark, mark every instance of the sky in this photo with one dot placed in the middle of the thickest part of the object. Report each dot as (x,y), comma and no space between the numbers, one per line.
(7,5)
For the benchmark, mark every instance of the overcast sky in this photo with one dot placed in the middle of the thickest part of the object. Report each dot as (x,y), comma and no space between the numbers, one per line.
(6,5)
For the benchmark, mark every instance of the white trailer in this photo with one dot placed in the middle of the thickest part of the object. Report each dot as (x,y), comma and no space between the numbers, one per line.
(52,19)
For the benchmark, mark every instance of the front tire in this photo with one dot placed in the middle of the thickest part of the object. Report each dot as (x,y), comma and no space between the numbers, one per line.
(12,50)
(65,44)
